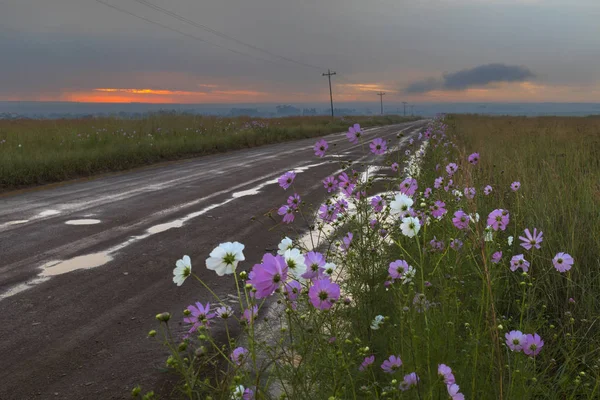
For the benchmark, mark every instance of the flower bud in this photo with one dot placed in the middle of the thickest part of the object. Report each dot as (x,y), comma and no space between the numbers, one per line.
(136,391)
(182,346)
(163,317)
(152,333)
(243,275)
(186,312)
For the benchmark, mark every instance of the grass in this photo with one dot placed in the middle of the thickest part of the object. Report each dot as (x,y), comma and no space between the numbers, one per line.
(34,152)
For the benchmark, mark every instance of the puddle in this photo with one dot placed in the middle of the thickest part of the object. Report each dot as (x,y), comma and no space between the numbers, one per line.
(83,222)
(21,221)
(22,287)
(53,268)
(48,213)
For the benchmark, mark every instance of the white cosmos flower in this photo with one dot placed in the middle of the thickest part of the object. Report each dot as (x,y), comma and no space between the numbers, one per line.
(474,217)
(376,323)
(225,258)
(238,392)
(183,269)
(329,268)
(295,262)
(510,240)
(410,226)
(408,275)
(488,234)
(457,193)
(401,204)
(284,245)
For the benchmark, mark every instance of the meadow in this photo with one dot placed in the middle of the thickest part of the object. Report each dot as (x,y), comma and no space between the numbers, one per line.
(464,267)
(35,152)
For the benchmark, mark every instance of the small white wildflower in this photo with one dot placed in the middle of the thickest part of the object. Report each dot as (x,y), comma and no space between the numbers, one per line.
(510,240)
(408,275)
(238,392)
(183,269)
(377,322)
(488,234)
(474,217)
(457,193)
(284,245)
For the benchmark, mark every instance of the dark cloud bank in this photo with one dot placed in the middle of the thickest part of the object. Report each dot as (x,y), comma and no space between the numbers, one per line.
(478,76)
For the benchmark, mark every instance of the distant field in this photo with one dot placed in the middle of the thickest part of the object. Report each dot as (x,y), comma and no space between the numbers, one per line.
(34,152)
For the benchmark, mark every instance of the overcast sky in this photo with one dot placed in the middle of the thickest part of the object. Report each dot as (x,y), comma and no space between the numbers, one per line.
(419,50)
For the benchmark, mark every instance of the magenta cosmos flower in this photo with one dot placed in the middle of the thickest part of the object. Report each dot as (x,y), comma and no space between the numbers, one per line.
(515,186)
(286,180)
(377,203)
(199,316)
(515,340)
(519,261)
(391,364)
(470,192)
(427,193)
(498,219)
(409,381)
(292,290)
(238,355)
(461,219)
(366,362)
(347,241)
(438,209)
(409,186)
(454,392)
(487,190)
(354,133)
(395,167)
(474,158)
(327,213)
(563,262)
(496,257)
(314,263)
(446,372)
(451,169)
(378,146)
(397,269)
(250,314)
(321,147)
(269,275)
(330,183)
(323,294)
(439,181)
(533,345)
(287,212)
(530,240)
(456,244)
(294,201)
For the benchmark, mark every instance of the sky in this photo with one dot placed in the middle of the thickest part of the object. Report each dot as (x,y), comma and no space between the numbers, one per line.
(243,51)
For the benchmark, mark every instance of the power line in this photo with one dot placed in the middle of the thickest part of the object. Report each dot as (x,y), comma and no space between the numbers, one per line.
(187,34)
(328,75)
(223,35)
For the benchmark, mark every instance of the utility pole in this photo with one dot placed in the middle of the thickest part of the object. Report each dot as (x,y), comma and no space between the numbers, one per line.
(380,94)
(328,75)
(404,108)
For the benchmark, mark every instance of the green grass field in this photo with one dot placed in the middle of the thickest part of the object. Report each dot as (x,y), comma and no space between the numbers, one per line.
(34,152)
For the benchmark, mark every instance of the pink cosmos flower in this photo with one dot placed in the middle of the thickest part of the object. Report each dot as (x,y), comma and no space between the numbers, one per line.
(286,180)
(377,203)
(314,263)
(378,146)
(451,169)
(395,167)
(321,147)
(330,184)
(347,240)
(409,186)
(515,340)
(519,261)
(366,362)
(354,133)
(224,312)
(341,206)
(496,257)
(446,372)
(427,193)
(453,392)
(288,214)
(487,190)
(323,294)
(269,275)
(248,394)
(391,364)
(239,355)
(474,158)
(533,345)
(532,240)
(436,245)
(250,314)
(199,316)
(563,262)
(461,220)
(515,186)
(439,181)
(327,213)
(409,381)
(456,244)
(346,184)
(469,192)
(438,210)
(292,289)
(397,269)
(498,219)
(294,201)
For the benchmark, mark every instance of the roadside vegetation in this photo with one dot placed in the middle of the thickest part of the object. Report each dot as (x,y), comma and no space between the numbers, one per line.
(466,267)
(34,152)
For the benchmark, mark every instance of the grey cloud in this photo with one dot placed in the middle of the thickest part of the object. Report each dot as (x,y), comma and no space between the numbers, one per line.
(478,76)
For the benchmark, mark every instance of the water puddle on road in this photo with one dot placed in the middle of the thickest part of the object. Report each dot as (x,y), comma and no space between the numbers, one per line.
(83,222)
(21,221)
(48,213)
(94,260)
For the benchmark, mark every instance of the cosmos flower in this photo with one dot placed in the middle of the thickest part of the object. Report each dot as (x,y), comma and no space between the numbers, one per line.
(354,133)
(285,244)
(515,186)
(321,147)
(409,186)
(563,262)
(533,345)
(530,240)
(474,158)
(409,381)
(461,220)
(377,203)
(451,169)
(401,204)
(470,192)
(269,275)
(323,294)
(199,316)
(286,180)
(487,190)
(498,219)
(330,183)
(313,261)
(519,261)
(183,269)
(378,146)
(395,167)
(224,312)
(410,226)
(294,201)
(238,355)
(225,258)
(439,181)
(347,241)
(366,362)
(294,260)
(377,322)
(438,210)
(496,257)
(515,340)
(391,364)
(292,290)
(398,268)
(287,212)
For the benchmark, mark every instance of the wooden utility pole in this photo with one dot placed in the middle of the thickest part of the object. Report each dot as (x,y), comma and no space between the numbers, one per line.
(380,94)
(328,75)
